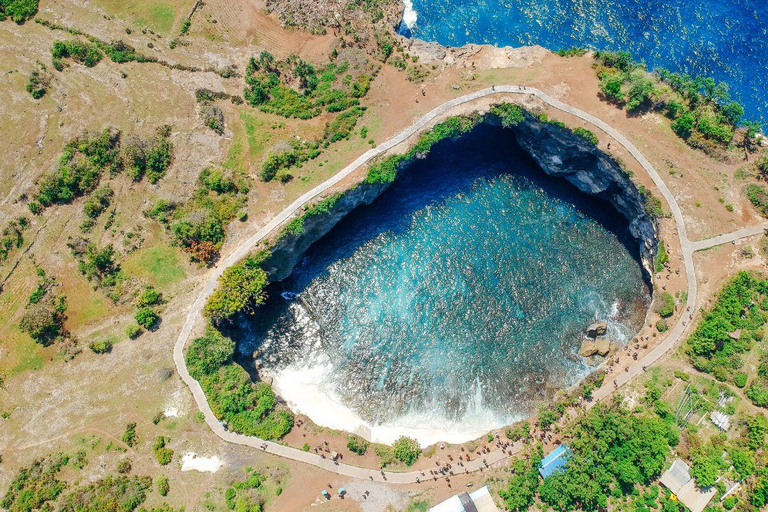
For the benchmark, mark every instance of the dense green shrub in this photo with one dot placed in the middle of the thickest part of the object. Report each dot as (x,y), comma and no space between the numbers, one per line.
(661,258)
(714,347)
(205,355)
(342,126)
(758,196)
(87,54)
(701,109)
(12,236)
(44,321)
(98,201)
(38,82)
(522,485)
(146,317)
(36,487)
(18,10)
(740,379)
(667,306)
(163,487)
(301,151)
(331,88)
(406,450)
(509,114)
(198,226)
(213,118)
(80,167)
(101,346)
(385,171)
(149,297)
(247,408)
(357,444)
(163,454)
(613,450)
(240,289)
(129,436)
(111,494)
(296,226)
(149,157)
(586,134)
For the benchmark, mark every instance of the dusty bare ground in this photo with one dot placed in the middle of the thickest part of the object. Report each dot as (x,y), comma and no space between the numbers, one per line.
(64,406)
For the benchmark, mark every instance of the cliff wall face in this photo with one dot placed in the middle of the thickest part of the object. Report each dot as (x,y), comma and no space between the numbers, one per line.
(558,151)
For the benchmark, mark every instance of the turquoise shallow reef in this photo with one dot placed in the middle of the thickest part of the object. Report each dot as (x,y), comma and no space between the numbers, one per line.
(725,39)
(455,302)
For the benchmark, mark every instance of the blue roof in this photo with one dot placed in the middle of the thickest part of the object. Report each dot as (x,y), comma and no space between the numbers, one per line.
(554,461)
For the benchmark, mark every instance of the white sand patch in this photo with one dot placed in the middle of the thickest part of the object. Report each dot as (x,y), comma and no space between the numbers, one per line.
(171,412)
(191,462)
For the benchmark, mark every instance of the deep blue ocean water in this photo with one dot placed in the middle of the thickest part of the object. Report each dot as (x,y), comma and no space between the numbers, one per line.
(458,298)
(725,39)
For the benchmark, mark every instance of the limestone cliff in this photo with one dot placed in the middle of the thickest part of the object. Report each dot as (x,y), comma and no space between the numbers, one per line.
(557,150)
(560,152)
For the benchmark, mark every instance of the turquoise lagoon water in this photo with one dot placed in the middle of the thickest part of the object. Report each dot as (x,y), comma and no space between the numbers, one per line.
(725,39)
(455,302)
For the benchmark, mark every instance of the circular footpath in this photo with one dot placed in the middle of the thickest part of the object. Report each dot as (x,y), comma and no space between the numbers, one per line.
(674,334)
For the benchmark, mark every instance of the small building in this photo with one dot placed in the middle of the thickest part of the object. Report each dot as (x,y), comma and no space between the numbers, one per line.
(478,501)
(678,480)
(721,420)
(554,461)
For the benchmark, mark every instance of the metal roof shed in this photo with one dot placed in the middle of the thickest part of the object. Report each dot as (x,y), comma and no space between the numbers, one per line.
(554,461)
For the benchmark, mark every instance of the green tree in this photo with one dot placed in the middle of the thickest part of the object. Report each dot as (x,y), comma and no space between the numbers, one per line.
(207,354)
(241,287)
(705,469)
(406,450)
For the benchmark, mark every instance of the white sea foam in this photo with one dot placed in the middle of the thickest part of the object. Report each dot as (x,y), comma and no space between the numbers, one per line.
(191,462)
(301,387)
(409,14)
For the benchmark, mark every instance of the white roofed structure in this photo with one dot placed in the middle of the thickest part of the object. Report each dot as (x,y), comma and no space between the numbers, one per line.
(478,501)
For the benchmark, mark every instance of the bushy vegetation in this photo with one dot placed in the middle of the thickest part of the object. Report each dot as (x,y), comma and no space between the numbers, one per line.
(574,51)
(509,113)
(45,313)
(666,305)
(240,289)
(661,258)
(18,10)
(80,167)
(129,436)
(248,408)
(385,171)
(101,346)
(276,163)
(98,201)
(84,53)
(163,454)
(406,450)
(296,226)
(38,82)
(296,88)
(199,225)
(12,236)
(613,450)
(587,134)
(110,494)
(148,157)
(35,487)
(730,327)
(701,109)
(357,444)
(758,196)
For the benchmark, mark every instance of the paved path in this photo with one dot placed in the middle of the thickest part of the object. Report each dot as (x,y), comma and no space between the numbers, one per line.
(495,456)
